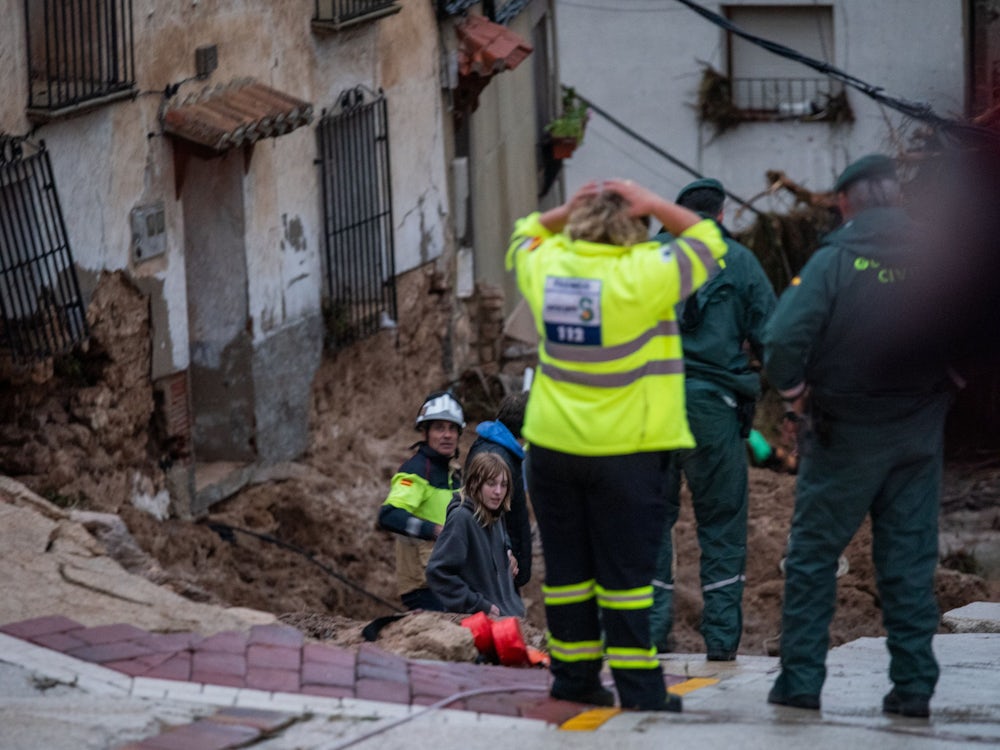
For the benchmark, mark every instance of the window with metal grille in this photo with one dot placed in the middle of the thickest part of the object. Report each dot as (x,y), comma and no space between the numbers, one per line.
(765,86)
(80,55)
(333,15)
(357,216)
(42,312)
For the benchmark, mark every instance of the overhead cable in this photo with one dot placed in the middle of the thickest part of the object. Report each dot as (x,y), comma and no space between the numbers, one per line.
(652,146)
(914,110)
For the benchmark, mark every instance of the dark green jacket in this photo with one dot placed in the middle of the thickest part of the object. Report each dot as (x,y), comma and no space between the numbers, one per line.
(831,325)
(729,310)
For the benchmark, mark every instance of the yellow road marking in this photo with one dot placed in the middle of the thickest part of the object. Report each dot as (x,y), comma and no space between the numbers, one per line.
(695,683)
(590,720)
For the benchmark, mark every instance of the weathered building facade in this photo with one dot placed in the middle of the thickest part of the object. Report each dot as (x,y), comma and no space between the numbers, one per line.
(262,172)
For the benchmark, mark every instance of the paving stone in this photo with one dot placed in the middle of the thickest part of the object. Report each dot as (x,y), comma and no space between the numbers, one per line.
(201,735)
(105,652)
(133,668)
(330,655)
(316,673)
(388,674)
(58,641)
(495,703)
(426,683)
(265,721)
(228,641)
(276,635)
(177,667)
(277,680)
(169,642)
(273,657)
(328,691)
(223,662)
(102,634)
(223,679)
(382,690)
(317,652)
(36,626)
(376,657)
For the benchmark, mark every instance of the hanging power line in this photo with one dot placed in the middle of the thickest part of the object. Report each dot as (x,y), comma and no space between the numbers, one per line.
(652,146)
(914,110)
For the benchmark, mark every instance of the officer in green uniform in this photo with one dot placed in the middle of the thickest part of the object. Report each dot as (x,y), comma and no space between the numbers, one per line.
(721,389)
(605,408)
(871,441)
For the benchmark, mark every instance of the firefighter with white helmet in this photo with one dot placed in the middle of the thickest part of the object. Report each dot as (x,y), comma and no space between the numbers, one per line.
(419,496)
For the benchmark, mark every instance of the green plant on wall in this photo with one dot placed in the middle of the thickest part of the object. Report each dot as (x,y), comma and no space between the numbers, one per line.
(573,120)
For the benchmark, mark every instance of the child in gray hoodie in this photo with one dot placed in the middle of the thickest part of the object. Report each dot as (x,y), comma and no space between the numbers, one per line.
(471,568)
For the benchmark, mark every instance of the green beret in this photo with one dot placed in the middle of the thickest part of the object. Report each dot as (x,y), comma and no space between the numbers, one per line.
(865,168)
(705,182)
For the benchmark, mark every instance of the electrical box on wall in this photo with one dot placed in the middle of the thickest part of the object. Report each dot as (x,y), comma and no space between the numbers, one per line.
(206,60)
(149,231)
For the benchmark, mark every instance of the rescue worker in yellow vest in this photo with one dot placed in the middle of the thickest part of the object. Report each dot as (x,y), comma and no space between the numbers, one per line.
(418,498)
(605,409)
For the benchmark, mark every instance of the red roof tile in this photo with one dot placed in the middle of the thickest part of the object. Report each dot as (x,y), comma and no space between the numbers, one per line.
(238,114)
(486,48)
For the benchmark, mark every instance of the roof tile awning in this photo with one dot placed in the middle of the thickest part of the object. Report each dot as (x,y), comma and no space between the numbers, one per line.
(486,48)
(239,114)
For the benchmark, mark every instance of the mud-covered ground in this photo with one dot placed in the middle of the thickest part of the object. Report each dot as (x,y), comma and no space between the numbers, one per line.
(305,545)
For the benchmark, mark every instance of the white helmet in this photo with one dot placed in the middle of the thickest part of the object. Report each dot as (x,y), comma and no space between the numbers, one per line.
(441,406)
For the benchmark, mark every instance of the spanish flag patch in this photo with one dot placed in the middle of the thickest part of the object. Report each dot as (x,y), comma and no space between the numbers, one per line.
(406,482)
(530,243)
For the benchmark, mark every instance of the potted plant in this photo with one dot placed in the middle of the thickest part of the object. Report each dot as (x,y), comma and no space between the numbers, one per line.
(566,131)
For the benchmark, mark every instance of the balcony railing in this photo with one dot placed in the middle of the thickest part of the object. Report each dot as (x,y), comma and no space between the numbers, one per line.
(778,98)
(80,53)
(334,15)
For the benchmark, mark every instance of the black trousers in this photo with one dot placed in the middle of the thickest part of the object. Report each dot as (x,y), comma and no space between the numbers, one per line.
(601,520)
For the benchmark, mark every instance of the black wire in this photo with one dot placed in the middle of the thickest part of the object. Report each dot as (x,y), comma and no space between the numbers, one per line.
(652,146)
(917,111)
(225,532)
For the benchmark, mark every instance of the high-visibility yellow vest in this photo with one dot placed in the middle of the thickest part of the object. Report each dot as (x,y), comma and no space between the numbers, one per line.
(611,371)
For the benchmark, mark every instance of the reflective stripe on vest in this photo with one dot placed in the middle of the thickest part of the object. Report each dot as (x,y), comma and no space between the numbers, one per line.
(632,658)
(611,353)
(571,651)
(571,594)
(640,598)
(612,379)
(684,262)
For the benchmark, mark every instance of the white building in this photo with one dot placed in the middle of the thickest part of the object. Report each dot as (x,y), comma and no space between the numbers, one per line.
(643,61)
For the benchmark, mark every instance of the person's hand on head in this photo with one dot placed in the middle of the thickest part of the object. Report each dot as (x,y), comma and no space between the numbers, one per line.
(585,191)
(642,201)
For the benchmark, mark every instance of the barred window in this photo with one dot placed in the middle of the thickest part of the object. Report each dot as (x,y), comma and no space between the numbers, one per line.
(357,216)
(42,312)
(80,55)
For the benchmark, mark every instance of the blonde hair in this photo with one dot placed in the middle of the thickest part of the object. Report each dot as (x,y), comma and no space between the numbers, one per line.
(603,217)
(482,468)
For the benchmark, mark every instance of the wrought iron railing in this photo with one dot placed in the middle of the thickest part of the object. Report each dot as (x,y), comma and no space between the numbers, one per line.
(41,311)
(78,51)
(340,13)
(357,217)
(784,97)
